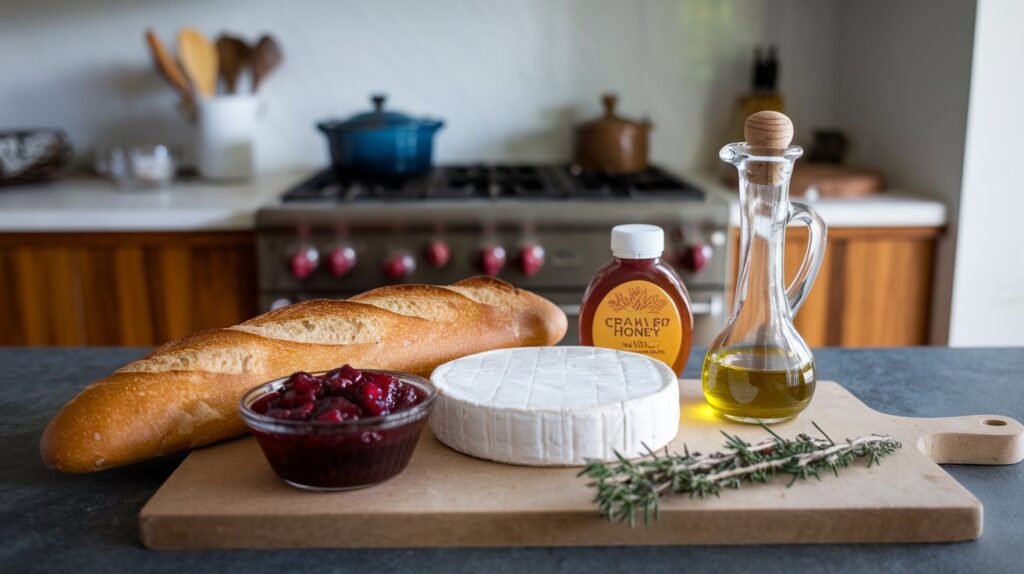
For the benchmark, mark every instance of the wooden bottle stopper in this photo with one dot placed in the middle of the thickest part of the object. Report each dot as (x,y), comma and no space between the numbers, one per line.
(767,134)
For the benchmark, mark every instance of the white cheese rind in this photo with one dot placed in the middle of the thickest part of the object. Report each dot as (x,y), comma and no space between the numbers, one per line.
(555,406)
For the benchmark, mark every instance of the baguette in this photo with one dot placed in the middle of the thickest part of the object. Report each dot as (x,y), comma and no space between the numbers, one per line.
(186,393)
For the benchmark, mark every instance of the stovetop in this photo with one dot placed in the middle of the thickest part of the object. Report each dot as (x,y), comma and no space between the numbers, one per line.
(497,182)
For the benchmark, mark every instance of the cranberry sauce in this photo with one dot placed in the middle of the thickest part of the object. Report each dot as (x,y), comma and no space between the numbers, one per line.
(340,395)
(344,429)
(340,461)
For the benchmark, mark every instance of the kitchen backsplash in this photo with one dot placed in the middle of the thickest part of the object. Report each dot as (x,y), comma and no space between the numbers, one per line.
(508,78)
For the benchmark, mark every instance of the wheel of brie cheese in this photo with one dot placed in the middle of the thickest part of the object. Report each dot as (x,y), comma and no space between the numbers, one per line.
(555,406)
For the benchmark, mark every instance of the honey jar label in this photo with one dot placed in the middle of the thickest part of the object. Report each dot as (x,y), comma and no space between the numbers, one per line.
(639,316)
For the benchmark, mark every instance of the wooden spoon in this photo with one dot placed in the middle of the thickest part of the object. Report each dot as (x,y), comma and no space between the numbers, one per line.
(234,55)
(199,59)
(266,58)
(168,67)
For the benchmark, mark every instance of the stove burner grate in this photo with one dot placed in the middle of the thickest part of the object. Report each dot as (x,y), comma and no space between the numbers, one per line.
(497,182)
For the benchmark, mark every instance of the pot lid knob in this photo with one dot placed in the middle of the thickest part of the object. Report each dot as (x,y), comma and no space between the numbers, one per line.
(378,102)
(768,130)
(609,100)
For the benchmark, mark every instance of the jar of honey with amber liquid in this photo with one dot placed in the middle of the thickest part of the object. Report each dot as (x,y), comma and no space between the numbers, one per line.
(636,302)
(759,369)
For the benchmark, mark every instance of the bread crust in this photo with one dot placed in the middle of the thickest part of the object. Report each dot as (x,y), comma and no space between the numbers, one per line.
(185,393)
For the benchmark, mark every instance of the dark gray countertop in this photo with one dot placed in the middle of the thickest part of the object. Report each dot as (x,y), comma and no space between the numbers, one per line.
(84,523)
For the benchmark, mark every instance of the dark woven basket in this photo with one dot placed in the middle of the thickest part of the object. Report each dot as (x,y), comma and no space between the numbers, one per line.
(29,156)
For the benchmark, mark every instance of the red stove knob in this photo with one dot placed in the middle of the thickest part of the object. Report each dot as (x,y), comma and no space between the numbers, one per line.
(531,259)
(437,253)
(491,259)
(398,266)
(304,261)
(341,260)
(695,257)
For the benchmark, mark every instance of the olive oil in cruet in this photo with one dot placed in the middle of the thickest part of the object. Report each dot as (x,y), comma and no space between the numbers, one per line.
(759,369)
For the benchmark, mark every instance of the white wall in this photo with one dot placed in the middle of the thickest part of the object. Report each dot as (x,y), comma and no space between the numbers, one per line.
(988,290)
(903,77)
(509,77)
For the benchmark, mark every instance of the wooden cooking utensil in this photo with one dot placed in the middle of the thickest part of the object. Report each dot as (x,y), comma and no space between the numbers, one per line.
(233,56)
(168,67)
(199,59)
(267,57)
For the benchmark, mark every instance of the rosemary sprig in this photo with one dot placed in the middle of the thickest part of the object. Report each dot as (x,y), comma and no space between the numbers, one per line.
(627,488)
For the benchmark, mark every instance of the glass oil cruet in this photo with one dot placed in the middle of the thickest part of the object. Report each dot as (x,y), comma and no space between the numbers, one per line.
(759,369)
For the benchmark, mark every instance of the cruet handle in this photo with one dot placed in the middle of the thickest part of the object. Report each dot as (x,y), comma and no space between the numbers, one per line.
(817,231)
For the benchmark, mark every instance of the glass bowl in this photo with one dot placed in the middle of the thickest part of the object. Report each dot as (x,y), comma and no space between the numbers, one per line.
(138,167)
(328,456)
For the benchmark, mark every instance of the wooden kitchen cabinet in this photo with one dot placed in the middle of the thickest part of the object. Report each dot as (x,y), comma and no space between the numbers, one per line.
(122,288)
(874,288)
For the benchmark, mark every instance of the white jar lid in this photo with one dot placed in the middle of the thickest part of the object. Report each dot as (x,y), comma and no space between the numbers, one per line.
(637,241)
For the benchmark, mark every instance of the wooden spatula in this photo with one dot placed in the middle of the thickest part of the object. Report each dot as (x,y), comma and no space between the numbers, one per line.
(267,57)
(168,67)
(198,57)
(234,55)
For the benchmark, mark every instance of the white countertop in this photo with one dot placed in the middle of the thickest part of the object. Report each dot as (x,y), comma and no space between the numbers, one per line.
(889,209)
(85,203)
(88,203)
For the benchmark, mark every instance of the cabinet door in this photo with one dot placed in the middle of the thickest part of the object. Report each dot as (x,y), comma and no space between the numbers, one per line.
(812,320)
(873,290)
(224,286)
(40,296)
(886,291)
(122,288)
(116,295)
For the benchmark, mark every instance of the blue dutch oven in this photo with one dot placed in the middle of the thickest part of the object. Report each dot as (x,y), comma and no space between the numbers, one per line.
(381,144)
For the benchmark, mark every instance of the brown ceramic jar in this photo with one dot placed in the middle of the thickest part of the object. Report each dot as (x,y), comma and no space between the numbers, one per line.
(611,143)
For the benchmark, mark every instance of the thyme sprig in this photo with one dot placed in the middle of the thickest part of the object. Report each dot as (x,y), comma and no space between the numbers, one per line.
(628,488)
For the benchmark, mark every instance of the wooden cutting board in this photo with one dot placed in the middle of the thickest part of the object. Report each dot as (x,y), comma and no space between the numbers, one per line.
(226,496)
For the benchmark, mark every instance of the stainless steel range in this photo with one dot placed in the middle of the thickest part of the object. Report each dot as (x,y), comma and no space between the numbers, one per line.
(543,228)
